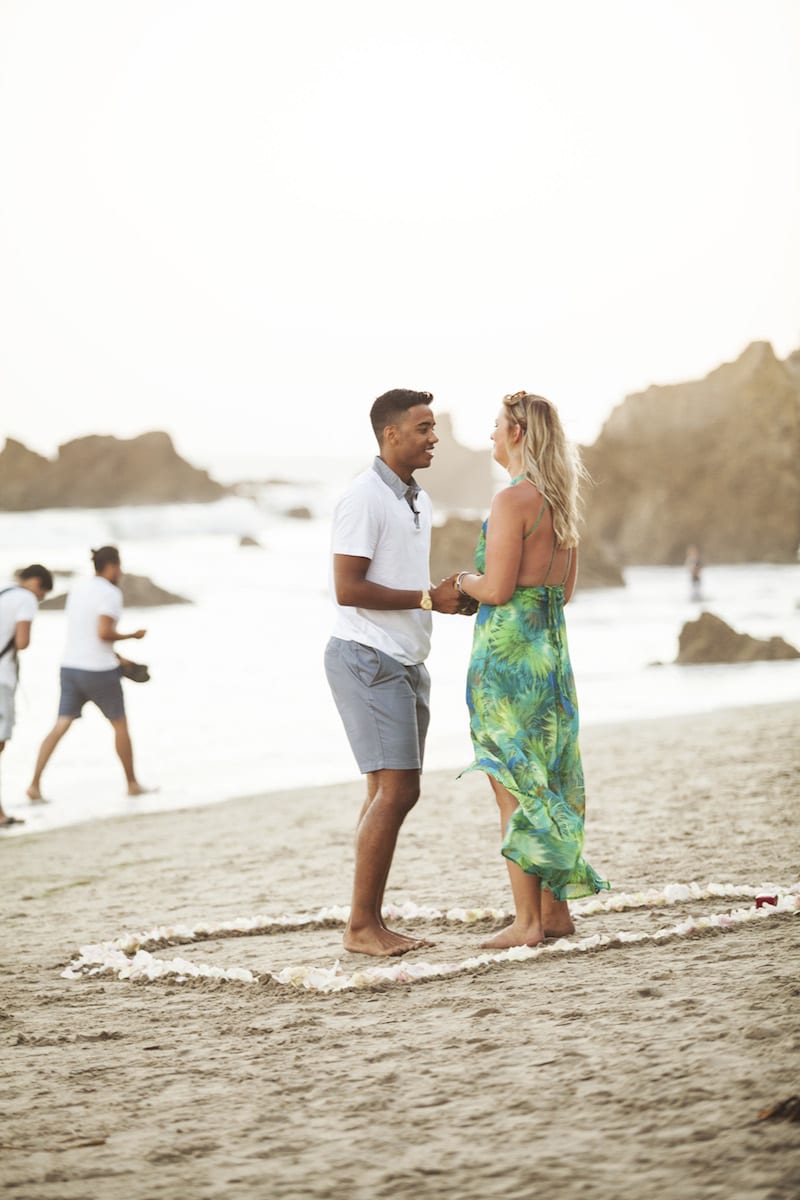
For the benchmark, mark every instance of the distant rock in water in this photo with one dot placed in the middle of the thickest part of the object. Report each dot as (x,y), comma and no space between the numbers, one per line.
(102,472)
(458,478)
(453,548)
(712,462)
(246,541)
(137,592)
(710,640)
(300,512)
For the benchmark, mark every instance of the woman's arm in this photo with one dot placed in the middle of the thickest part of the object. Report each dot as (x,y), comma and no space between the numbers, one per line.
(503,552)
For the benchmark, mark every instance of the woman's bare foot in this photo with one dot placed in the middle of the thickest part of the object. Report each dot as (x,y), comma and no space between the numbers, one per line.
(379,941)
(6,821)
(35,796)
(556,917)
(516,934)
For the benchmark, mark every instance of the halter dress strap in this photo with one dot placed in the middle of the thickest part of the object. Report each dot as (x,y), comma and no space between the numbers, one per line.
(569,564)
(550,564)
(535,524)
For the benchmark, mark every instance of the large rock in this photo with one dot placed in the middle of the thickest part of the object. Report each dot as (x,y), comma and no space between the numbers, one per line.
(137,592)
(102,472)
(710,640)
(453,546)
(598,566)
(453,549)
(712,462)
(458,478)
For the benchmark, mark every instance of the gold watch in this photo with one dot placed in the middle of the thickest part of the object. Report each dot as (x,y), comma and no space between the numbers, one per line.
(426,601)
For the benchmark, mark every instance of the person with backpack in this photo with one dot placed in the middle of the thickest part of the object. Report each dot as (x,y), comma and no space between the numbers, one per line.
(19,602)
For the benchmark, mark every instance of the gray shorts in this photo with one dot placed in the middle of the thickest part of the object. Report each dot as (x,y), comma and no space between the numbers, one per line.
(6,711)
(103,688)
(384,705)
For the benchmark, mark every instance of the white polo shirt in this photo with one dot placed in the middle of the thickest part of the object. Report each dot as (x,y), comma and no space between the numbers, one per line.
(16,604)
(88,600)
(374,520)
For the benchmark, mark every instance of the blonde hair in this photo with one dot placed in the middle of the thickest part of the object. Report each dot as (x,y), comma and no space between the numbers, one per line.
(549,460)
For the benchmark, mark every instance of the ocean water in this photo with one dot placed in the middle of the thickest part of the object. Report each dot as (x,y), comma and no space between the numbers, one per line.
(238,703)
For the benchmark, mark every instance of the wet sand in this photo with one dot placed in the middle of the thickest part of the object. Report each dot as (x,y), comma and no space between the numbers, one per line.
(636,1071)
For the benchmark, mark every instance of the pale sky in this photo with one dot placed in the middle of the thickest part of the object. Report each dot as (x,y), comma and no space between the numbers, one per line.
(241,221)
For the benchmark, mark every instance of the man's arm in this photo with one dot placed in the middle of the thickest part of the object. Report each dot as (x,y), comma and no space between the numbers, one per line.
(22,635)
(354,590)
(107,630)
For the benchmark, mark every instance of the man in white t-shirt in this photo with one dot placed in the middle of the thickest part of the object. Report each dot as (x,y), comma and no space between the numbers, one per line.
(375,660)
(18,604)
(90,668)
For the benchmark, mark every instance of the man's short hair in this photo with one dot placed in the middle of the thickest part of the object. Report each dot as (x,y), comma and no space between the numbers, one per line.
(36,571)
(106,556)
(391,405)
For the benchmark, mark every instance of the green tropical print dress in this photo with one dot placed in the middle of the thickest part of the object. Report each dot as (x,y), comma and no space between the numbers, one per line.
(524,726)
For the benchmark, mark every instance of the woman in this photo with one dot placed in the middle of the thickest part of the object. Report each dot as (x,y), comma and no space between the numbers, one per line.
(520,687)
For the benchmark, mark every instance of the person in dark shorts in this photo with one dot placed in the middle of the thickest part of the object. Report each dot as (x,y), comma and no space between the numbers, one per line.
(90,669)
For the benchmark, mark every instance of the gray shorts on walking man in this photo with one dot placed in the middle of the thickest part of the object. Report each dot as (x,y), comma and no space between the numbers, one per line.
(384,705)
(102,688)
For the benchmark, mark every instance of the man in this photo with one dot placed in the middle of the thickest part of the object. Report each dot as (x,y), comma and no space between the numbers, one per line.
(18,604)
(375,660)
(90,669)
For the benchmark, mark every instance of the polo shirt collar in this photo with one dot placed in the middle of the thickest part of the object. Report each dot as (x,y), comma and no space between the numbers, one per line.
(393,481)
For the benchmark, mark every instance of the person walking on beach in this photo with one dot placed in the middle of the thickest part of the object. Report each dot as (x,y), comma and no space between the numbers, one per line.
(375,660)
(520,687)
(90,668)
(18,604)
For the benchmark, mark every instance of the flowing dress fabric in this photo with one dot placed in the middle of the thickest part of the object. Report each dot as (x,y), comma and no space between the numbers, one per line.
(524,726)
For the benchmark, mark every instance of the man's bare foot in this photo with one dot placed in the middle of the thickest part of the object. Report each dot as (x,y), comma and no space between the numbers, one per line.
(35,796)
(516,935)
(379,941)
(136,789)
(413,943)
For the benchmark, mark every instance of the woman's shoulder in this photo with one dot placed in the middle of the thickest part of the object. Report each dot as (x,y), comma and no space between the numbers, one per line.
(518,497)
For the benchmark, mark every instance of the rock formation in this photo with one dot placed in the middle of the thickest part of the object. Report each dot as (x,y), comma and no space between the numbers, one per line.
(137,592)
(710,640)
(102,472)
(453,546)
(458,478)
(712,462)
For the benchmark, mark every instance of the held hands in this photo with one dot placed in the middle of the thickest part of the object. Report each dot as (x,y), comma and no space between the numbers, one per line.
(447,599)
(467,605)
(139,634)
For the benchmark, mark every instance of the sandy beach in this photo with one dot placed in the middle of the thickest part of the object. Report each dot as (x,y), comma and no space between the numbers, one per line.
(631,1071)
